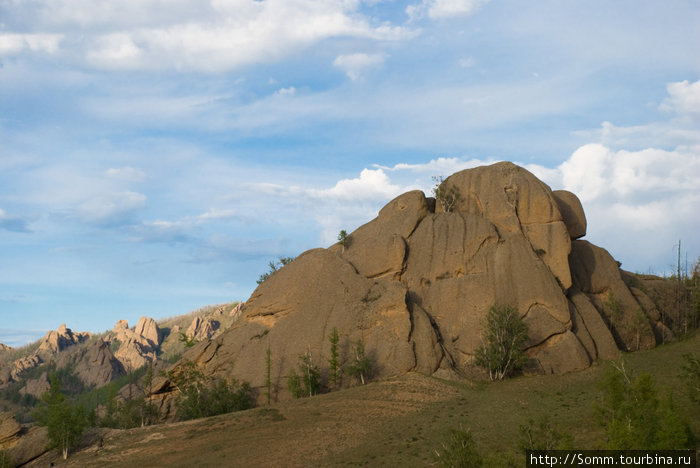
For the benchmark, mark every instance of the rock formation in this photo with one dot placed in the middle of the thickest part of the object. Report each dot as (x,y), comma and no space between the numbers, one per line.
(415,285)
(137,347)
(56,341)
(202,328)
(4,347)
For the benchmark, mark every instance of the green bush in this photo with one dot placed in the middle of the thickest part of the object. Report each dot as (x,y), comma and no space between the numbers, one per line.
(634,417)
(460,451)
(201,397)
(506,334)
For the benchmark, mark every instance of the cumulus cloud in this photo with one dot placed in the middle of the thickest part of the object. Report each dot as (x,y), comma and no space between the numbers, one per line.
(216,36)
(683,98)
(12,223)
(354,65)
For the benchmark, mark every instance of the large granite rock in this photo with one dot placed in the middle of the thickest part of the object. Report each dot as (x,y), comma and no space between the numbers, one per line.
(415,285)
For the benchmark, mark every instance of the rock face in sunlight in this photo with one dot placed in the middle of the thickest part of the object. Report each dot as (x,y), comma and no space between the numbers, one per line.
(415,285)
(138,346)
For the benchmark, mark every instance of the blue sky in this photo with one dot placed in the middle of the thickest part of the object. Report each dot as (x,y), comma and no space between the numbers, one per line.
(155,155)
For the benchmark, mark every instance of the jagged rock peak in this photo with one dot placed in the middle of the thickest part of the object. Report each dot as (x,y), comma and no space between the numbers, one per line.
(202,328)
(148,328)
(56,341)
(4,347)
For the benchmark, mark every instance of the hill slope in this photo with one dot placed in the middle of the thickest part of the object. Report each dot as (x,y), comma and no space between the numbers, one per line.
(398,422)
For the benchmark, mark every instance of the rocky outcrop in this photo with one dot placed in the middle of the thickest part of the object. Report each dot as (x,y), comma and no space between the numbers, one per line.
(24,364)
(97,366)
(58,340)
(202,328)
(9,430)
(148,329)
(139,346)
(36,387)
(416,283)
(4,347)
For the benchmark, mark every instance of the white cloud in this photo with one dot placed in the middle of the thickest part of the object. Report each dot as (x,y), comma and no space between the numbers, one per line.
(684,98)
(217,36)
(354,65)
(11,44)
(110,208)
(442,9)
(126,173)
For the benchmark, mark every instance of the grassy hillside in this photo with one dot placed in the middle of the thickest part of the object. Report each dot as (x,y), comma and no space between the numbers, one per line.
(399,422)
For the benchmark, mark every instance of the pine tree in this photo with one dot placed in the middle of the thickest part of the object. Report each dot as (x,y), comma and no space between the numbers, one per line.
(333,361)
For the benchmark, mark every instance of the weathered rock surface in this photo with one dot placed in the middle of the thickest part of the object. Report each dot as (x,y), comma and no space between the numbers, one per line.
(37,387)
(97,366)
(58,340)
(202,328)
(9,430)
(4,347)
(148,328)
(415,285)
(137,347)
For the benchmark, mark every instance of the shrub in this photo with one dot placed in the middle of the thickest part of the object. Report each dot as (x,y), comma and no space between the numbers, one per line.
(274,266)
(446,195)
(459,451)
(201,397)
(506,334)
(635,418)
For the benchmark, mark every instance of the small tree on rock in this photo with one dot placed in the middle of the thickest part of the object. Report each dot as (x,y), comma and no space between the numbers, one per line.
(344,239)
(445,194)
(506,334)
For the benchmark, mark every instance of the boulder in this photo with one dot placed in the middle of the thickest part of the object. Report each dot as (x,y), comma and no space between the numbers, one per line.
(597,274)
(515,201)
(32,443)
(571,212)
(9,430)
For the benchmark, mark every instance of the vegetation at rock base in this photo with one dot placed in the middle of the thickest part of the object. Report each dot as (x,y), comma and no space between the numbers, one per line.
(334,359)
(200,396)
(274,266)
(635,417)
(188,342)
(308,381)
(65,422)
(360,365)
(505,335)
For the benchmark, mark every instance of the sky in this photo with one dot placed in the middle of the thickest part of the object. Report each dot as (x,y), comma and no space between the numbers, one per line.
(155,155)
